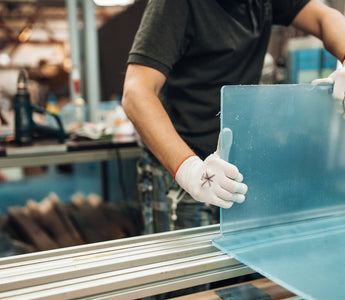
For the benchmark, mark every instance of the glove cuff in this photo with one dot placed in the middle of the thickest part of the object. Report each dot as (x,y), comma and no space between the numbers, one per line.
(187,175)
(185,160)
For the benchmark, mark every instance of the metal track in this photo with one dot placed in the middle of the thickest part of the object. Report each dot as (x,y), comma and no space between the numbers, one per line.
(68,157)
(122,269)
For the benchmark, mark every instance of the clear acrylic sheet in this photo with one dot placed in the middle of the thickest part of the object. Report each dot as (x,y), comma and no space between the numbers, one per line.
(289,143)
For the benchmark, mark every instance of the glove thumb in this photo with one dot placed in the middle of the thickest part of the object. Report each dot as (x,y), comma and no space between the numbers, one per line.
(339,84)
(224,141)
(323,80)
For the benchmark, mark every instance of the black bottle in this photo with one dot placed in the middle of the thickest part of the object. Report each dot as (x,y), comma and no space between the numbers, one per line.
(22,111)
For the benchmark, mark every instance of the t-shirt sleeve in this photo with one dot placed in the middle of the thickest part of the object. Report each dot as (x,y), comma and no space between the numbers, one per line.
(160,39)
(284,11)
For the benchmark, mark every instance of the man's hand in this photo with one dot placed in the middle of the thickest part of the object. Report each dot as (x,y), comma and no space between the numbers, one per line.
(338,79)
(213,180)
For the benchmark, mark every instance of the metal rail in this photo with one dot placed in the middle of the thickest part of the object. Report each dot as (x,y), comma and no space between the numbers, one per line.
(121,269)
(68,157)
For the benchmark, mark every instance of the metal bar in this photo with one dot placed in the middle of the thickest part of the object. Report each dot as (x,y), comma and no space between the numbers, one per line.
(175,283)
(127,268)
(45,273)
(92,57)
(72,14)
(133,241)
(68,157)
(105,282)
(21,263)
(100,273)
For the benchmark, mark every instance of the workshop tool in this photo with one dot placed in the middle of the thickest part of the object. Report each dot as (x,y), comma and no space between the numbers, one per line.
(25,127)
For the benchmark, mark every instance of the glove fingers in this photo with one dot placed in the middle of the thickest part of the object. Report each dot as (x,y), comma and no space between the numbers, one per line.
(233,186)
(222,193)
(241,188)
(228,196)
(239,198)
(221,203)
(239,177)
(232,172)
(229,170)
(226,204)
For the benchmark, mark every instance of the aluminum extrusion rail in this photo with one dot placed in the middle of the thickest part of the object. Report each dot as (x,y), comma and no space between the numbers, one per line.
(68,157)
(127,268)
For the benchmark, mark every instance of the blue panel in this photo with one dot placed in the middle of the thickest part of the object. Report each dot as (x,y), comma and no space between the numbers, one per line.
(289,143)
(306,257)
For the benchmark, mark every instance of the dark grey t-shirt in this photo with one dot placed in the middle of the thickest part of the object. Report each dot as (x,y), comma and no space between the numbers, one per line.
(201,45)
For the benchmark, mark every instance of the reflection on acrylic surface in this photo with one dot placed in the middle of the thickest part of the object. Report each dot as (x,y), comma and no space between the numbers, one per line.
(289,143)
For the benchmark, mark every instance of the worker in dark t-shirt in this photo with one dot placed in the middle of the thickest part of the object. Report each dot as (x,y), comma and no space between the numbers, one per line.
(183,53)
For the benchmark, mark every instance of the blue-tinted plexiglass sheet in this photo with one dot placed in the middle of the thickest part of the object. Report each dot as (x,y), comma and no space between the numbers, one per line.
(289,143)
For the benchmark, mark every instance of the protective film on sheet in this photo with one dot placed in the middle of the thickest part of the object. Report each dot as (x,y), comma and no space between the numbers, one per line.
(289,144)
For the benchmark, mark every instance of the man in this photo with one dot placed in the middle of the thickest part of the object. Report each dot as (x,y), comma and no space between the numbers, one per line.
(183,53)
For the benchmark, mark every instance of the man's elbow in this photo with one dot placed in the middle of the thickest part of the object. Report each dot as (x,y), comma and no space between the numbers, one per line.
(125,101)
(128,98)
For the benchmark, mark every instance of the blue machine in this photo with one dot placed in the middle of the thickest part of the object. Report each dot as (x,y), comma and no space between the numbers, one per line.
(289,143)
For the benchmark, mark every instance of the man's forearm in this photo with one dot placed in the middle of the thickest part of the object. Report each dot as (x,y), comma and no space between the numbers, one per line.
(326,23)
(153,124)
(158,133)
(333,34)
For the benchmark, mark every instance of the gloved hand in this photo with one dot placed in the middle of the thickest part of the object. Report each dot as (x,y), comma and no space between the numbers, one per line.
(338,79)
(213,180)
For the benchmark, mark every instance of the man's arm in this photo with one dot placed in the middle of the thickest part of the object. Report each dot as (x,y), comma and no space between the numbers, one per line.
(144,109)
(326,23)
(214,180)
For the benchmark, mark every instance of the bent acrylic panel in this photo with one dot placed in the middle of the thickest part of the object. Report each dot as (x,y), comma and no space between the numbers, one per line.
(289,143)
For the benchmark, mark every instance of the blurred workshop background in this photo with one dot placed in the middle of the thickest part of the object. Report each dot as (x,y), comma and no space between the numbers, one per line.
(74,54)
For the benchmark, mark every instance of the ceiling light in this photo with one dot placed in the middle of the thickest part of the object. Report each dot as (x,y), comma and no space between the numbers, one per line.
(113,2)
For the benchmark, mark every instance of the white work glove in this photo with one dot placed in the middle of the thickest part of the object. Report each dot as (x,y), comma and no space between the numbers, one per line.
(213,180)
(338,79)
